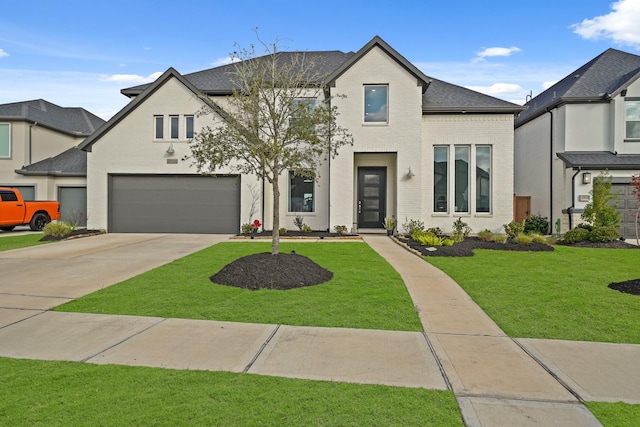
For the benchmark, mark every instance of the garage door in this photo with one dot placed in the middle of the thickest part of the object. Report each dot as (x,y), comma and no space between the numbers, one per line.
(627,205)
(174,204)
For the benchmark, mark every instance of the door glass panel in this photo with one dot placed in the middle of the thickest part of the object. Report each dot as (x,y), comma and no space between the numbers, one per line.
(371,192)
(371,203)
(372,216)
(372,179)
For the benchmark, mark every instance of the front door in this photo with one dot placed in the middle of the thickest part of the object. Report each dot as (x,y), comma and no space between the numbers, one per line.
(372,197)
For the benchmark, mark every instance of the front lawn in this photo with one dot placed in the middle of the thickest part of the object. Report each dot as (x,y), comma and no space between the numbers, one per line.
(365,291)
(81,394)
(21,241)
(616,414)
(562,294)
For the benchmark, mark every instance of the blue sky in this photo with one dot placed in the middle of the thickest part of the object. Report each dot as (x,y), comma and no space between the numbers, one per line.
(81,53)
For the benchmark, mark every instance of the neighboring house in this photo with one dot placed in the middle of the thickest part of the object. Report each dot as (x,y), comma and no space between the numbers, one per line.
(38,153)
(423,149)
(586,123)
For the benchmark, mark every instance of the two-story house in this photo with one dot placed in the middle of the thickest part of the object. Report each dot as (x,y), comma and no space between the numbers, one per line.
(423,149)
(586,123)
(39,154)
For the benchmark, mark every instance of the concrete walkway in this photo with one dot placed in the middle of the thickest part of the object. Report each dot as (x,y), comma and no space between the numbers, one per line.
(496,379)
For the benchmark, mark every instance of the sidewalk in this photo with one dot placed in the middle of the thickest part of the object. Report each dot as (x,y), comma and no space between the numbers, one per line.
(497,380)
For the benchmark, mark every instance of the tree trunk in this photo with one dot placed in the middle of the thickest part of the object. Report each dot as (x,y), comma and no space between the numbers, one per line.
(275,234)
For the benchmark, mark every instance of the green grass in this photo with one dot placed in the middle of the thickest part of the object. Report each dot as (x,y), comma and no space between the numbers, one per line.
(615,414)
(559,295)
(365,291)
(16,242)
(80,394)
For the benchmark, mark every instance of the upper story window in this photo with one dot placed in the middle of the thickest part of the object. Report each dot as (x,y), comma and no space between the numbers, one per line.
(633,119)
(376,100)
(189,122)
(5,140)
(158,122)
(174,122)
(301,191)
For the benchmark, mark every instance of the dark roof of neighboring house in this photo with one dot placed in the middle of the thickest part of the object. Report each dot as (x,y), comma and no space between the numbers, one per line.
(72,162)
(600,160)
(70,120)
(596,81)
(439,96)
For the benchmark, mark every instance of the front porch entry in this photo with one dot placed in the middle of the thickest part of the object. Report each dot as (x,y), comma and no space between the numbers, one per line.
(372,197)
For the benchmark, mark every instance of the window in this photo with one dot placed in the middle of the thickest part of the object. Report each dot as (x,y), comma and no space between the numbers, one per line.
(375,103)
(633,119)
(300,193)
(462,179)
(159,124)
(483,179)
(189,126)
(5,140)
(174,124)
(440,178)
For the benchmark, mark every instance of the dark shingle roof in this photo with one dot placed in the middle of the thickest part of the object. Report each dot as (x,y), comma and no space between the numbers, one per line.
(73,121)
(439,97)
(72,162)
(595,81)
(600,160)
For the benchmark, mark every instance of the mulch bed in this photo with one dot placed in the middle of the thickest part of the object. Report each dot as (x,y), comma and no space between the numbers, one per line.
(296,233)
(628,287)
(80,232)
(466,247)
(266,271)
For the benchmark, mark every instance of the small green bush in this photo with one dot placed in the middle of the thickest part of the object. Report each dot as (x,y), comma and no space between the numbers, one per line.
(447,242)
(536,224)
(499,238)
(434,230)
(412,226)
(59,229)
(485,235)
(575,235)
(538,238)
(513,229)
(282,230)
(341,229)
(523,239)
(426,239)
(305,228)
(604,234)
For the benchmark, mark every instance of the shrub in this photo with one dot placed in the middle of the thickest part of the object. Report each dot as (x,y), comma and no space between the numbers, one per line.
(460,230)
(602,211)
(513,229)
(305,228)
(58,229)
(412,226)
(341,229)
(486,235)
(447,242)
(282,230)
(536,224)
(434,230)
(538,238)
(523,239)
(575,235)
(499,238)
(298,221)
(426,239)
(604,234)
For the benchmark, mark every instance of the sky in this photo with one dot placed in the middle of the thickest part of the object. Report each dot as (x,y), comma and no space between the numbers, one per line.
(82,53)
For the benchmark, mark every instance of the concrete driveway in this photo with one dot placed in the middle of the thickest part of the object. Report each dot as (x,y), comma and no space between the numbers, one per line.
(45,276)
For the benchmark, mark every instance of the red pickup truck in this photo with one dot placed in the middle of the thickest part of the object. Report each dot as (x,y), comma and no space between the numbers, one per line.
(15,211)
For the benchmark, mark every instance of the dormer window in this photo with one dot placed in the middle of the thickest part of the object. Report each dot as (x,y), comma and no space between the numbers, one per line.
(376,100)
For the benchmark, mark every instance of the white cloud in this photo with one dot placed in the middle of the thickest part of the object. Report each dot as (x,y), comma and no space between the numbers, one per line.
(548,84)
(130,78)
(3,53)
(223,61)
(501,90)
(490,52)
(620,25)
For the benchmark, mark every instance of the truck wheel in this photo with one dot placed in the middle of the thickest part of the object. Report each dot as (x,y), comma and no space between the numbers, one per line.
(39,221)
(7,228)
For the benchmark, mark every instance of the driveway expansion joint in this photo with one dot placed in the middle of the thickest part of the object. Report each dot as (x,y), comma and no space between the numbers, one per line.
(445,377)
(261,349)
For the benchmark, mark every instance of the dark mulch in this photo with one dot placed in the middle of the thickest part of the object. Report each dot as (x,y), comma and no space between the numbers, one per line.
(616,244)
(267,271)
(466,247)
(80,232)
(298,233)
(628,287)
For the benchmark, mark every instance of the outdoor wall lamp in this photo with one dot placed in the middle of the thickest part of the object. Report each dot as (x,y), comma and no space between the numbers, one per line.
(586,177)
(170,150)
(410,173)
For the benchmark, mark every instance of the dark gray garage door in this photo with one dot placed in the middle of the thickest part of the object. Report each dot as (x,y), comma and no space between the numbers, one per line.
(627,205)
(174,204)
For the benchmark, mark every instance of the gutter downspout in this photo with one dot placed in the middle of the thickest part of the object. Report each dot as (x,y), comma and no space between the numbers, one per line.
(573,198)
(550,168)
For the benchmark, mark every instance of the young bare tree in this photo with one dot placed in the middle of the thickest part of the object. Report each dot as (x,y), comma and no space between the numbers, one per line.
(278,119)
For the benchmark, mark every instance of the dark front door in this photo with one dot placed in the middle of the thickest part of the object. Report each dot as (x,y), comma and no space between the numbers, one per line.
(372,197)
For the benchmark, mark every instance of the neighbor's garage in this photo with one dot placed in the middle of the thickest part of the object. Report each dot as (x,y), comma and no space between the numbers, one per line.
(627,205)
(174,204)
